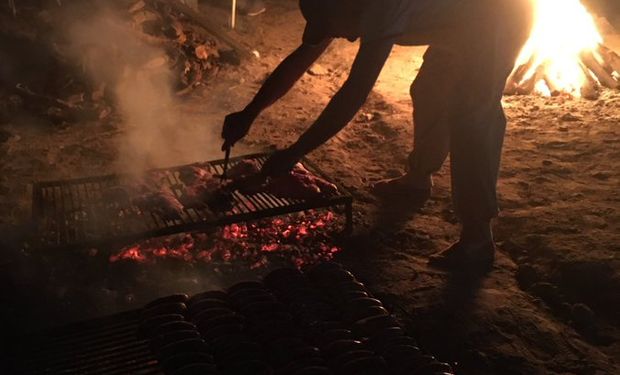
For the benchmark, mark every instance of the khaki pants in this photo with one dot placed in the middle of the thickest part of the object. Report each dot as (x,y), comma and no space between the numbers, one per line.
(457,99)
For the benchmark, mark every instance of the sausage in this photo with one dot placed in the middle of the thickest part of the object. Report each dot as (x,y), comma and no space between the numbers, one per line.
(204,304)
(159,341)
(366,365)
(175,298)
(211,294)
(148,326)
(339,347)
(164,309)
(245,285)
(367,312)
(211,313)
(183,346)
(179,361)
(374,325)
(196,369)
(173,327)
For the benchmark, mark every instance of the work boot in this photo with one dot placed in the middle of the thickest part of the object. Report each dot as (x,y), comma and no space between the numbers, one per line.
(472,257)
(403,187)
(251,8)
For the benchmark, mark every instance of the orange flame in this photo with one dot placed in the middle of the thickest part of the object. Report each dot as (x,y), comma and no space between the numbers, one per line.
(563,30)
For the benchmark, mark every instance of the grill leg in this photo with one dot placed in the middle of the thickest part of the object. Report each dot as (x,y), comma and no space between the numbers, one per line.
(348,228)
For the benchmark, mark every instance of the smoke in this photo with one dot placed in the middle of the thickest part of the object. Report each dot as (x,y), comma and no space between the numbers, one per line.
(157,130)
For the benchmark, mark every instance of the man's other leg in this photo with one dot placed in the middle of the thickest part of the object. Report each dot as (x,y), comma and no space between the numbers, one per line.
(431,94)
(490,42)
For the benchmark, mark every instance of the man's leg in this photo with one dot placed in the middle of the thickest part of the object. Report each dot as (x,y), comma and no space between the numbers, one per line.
(431,94)
(490,43)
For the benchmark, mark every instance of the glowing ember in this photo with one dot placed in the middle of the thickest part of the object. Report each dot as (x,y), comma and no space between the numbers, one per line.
(300,239)
(552,59)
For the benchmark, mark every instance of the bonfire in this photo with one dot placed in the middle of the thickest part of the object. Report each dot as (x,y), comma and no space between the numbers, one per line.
(564,54)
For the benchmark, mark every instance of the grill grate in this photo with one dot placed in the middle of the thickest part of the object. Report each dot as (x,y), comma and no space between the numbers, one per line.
(106,346)
(77,213)
(321,321)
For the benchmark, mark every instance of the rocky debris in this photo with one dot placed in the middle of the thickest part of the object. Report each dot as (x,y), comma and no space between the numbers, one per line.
(48,72)
(317,70)
(192,54)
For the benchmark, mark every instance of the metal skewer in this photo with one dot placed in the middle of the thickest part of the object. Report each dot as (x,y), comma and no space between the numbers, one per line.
(226,159)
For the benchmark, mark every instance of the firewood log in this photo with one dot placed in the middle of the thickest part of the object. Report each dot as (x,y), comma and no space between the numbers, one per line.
(210,26)
(606,79)
(528,86)
(553,88)
(517,75)
(610,57)
(590,88)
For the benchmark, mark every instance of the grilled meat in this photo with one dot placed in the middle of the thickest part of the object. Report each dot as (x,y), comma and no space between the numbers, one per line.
(162,202)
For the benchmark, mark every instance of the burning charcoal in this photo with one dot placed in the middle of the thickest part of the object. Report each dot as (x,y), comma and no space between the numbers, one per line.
(175,298)
(159,341)
(178,361)
(164,309)
(147,327)
(183,346)
(196,369)
(212,294)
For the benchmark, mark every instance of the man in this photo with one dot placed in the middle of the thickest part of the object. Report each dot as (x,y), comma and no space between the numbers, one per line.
(457,97)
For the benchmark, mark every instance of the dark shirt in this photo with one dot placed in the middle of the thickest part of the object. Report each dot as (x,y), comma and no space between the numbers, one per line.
(404,21)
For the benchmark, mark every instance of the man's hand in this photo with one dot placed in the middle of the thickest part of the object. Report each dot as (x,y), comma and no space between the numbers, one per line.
(236,126)
(281,162)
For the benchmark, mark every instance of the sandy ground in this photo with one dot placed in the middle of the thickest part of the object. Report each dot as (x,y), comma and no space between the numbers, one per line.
(550,304)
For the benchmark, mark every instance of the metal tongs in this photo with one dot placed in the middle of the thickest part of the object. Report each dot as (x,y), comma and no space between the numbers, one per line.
(224,176)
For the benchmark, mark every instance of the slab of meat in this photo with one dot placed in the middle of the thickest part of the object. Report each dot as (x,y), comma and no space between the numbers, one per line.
(193,175)
(244,168)
(297,184)
(201,186)
(163,202)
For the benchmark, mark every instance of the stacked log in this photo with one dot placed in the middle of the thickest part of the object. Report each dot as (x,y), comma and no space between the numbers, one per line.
(600,67)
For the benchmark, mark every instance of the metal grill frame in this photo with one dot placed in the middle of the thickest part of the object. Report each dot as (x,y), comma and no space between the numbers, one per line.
(101,346)
(247,207)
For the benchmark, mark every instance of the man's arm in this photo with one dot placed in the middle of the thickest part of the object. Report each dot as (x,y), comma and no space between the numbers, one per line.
(348,100)
(237,125)
(343,106)
(285,75)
